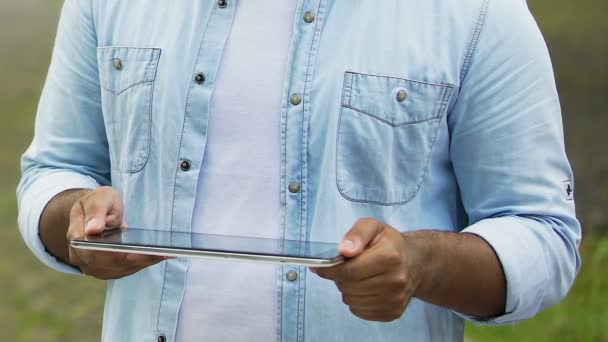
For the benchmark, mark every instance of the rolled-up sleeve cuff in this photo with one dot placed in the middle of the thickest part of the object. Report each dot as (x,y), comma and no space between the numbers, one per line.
(32,202)
(518,244)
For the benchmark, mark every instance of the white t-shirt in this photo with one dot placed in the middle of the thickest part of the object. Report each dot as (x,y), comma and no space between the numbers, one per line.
(238,189)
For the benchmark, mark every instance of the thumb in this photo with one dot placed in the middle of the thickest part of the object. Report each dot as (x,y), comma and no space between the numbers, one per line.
(95,225)
(101,209)
(359,237)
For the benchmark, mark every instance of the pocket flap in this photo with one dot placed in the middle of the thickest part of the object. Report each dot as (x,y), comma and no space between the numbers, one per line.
(395,101)
(121,68)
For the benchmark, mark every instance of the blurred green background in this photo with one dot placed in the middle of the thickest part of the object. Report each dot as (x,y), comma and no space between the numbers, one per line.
(37,304)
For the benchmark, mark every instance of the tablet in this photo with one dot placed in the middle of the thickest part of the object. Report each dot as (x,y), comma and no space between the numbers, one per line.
(195,245)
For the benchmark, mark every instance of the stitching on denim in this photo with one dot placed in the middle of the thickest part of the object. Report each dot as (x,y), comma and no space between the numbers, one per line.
(144,159)
(125,47)
(314,47)
(339,132)
(345,88)
(283,196)
(338,159)
(433,144)
(123,164)
(127,88)
(152,67)
(348,91)
(304,155)
(392,124)
(354,73)
(147,69)
(279,303)
(474,40)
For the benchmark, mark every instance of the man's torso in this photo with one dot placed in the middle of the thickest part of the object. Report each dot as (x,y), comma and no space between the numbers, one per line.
(351,145)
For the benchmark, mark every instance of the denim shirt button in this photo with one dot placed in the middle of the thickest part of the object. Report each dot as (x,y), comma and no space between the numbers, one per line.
(294,187)
(222,3)
(184,165)
(295,99)
(292,275)
(161,338)
(117,64)
(309,17)
(199,78)
(401,95)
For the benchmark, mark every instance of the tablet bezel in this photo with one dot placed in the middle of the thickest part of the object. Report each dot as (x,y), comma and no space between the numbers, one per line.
(171,251)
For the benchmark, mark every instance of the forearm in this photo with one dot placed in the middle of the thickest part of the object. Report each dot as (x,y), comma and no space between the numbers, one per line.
(55,221)
(459,271)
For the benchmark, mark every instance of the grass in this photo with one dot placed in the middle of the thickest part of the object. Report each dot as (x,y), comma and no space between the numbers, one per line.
(37,304)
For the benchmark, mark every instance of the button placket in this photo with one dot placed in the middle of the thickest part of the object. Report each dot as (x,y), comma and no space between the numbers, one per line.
(294,161)
(209,41)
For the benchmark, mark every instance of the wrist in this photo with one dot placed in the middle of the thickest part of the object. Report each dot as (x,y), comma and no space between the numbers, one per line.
(55,220)
(423,252)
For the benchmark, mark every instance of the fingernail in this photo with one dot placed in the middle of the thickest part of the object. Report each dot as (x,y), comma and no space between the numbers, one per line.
(92,224)
(348,245)
(313,270)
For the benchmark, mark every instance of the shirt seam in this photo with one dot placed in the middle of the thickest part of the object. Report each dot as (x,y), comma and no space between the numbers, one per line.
(481,19)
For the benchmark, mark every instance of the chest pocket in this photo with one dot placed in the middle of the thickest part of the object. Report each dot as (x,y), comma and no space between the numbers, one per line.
(127,80)
(386,132)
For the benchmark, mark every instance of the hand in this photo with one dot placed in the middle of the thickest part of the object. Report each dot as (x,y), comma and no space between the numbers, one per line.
(92,214)
(380,275)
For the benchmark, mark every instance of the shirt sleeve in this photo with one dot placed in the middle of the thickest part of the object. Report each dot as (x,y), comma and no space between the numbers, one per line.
(507,151)
(69,149)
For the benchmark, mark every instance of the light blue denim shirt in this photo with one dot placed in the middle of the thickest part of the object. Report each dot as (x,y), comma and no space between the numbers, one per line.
(432,114)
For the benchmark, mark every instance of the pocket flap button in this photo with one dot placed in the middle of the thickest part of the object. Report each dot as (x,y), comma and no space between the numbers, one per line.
(401,95)
(117,64)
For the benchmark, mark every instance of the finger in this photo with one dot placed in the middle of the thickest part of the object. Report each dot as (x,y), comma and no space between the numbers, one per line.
(351,271)
(76,227)
(323,272)
(99,259)
(114,218)
(114,260)
(367,286)
(360,236)
(363,301)
(102,208)
(137,262)
(144,260)
(110,265)
(378,315)
(368,264)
